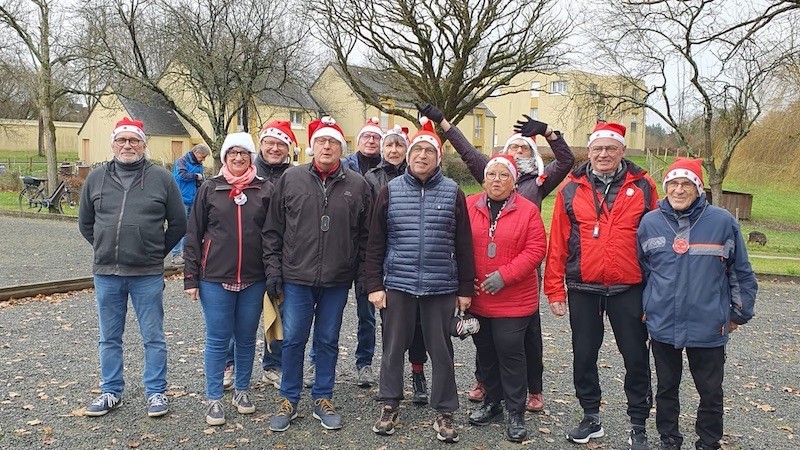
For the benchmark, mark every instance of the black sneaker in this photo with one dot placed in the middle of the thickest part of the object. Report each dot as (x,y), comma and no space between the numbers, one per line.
(589,428)
(386,424)
(515,427)
(638,439)
(420,386)
(669,444)
(486,414)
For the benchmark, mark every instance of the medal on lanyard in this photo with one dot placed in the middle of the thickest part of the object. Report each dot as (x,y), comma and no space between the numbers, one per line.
(491,249)
(680,245)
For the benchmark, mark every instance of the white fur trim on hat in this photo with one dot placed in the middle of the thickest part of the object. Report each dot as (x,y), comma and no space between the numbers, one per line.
(330,132)
(277,134)
(534,150)
(240,139)
(503,161)
(605,134)
(372,126)
(129,128)
(397,130)
(683,173)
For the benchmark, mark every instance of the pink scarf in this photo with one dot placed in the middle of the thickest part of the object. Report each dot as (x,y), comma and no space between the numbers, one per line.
(240,182)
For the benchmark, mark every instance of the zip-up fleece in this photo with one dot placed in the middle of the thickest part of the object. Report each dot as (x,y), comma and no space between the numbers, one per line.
(295,245)
(604,263)
(224,241)
(126,227)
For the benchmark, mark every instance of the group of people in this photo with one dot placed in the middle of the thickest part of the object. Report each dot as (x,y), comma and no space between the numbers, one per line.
(287,241)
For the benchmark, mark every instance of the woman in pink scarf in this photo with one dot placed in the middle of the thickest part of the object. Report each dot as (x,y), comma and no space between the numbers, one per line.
(224,268)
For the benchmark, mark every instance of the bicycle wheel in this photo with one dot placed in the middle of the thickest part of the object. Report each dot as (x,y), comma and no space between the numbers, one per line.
(30,199)
(68,204)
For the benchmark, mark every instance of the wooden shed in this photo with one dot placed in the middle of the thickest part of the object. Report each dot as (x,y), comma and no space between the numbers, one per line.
(737,203)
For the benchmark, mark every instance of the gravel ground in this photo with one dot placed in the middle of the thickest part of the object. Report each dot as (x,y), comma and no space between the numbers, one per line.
(48,370)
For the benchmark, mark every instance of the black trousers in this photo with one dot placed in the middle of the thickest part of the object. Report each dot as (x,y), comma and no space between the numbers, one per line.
(398,332)
(534,355)
(707,366)
(416,352)
(501,349)
(624,311)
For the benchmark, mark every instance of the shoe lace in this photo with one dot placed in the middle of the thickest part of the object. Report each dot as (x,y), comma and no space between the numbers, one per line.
(387,414)
(242,398)
(106,398)
(325,406)
(157,400)
(446,421)
(284,407)
(215,407)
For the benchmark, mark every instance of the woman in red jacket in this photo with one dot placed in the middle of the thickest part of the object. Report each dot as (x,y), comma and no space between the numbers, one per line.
(509,244)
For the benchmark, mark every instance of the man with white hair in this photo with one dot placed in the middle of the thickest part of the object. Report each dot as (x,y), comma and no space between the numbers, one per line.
(592,264)
(315,238)
(125,205)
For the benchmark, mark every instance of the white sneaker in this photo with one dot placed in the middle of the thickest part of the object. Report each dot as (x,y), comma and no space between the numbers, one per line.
(273,377)
(310,376)
(228,377)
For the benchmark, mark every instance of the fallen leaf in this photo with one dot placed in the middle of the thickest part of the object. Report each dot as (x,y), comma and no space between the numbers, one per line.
(134,444)
(545,430)
(209,431)
(766,408)
(27,407)
(33,422)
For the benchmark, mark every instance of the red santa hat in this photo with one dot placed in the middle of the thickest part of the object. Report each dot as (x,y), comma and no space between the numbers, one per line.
(326,126)
(241,139)
(279,129)
(129,125)
(685,168)
(397,130)
(426,134)
(504,159)
(537,157)
(611,130)
(372,125)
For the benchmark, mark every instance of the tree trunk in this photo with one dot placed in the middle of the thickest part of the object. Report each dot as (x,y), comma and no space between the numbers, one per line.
(40,141)
(45,101)
(716,192)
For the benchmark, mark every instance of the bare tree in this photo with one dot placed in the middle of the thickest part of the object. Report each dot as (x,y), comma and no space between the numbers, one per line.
(211,56)
(452,53)
(709,66)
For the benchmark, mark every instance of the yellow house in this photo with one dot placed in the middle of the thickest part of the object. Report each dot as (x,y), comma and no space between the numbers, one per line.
(23,135)
(571,102)
(337,98)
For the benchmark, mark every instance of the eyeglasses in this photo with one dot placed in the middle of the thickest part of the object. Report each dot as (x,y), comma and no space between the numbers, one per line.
(503,176)
(429,151)
(370,137)
(515,147)
(133,141)
(610,149)
(685,185)
(234,153)
(322,140)
(270,144)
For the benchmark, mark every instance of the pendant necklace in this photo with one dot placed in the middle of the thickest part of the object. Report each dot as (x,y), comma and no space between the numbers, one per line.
(680,245)
(491,249)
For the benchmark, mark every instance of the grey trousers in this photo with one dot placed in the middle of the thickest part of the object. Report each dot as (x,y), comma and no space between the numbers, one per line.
(399,321)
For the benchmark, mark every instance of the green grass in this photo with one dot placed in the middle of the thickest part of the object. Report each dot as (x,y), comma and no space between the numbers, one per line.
(29,163)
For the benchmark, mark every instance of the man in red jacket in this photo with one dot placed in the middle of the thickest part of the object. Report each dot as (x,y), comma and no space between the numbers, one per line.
(592,263)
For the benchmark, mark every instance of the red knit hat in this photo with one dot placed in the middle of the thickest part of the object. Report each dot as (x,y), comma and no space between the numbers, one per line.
(130,125)
(326,126)
(426,134)
(611,130)
(372,125)
(504,159)
(685,168)
(279,129)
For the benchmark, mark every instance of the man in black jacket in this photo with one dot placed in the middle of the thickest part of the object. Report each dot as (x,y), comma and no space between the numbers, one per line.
(126,203)
(315,238)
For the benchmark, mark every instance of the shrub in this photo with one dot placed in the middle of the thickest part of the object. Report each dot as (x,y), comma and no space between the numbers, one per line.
(453,167)
(10,181)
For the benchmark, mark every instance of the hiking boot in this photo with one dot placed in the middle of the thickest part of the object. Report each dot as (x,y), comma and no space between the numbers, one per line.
(364,377)
(215,413)
(157,405)
(589,428)
(228,377)
(177,260)
(420,387)
(385,426)
(535,403)
(324,412)
(102,404)
(638,439)
(699,445)
(273,377)
(669,444)
(287,411)
(477,393)
(445,428)
(515,427)
(486,414)
(242,402)
(310,376)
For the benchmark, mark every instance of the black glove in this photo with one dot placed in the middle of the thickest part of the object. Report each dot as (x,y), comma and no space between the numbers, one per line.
(431,112)
(493,283)
(530,127)
(274,286)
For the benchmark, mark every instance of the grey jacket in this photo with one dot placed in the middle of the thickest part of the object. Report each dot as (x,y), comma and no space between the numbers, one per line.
(127,227)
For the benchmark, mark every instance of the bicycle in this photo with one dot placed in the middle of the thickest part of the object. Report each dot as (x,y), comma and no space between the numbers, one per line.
(34,196)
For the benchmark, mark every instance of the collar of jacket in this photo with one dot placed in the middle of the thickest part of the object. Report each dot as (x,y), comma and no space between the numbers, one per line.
(630,172)
(338,173)
(511,204)
(435,179)
(391,168)
(693,211)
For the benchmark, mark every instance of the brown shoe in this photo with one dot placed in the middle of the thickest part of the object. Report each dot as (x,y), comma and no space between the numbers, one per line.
(535,403)
(445,428)
(477,393)
(385,425)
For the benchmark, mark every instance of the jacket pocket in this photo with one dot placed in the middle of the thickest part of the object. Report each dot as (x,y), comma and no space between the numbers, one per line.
(206,250)
(104,244)
(132,251)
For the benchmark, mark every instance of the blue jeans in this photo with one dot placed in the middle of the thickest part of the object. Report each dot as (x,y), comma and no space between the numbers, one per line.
(230,314)
(271,360)
(365,349)
(178,249)
(146,293)
(302,305)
